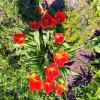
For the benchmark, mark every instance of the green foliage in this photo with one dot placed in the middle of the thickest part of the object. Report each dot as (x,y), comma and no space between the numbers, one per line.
(96,43)
(80,25)
(96,5)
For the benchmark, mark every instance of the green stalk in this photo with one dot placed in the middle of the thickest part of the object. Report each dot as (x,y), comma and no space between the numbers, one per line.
(42,46)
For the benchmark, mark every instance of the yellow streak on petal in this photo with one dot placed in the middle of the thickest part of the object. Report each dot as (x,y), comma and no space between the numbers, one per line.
(58,55)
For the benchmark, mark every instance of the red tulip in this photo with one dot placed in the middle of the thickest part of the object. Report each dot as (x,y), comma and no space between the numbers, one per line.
(19,38)
(48,85)
(60,17)
(61,57)
(58,37)
(47,21)
(34,25)
(60,88)
(52,71)
(35,83)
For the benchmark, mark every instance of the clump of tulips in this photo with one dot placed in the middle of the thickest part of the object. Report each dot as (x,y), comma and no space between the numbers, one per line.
(60,57)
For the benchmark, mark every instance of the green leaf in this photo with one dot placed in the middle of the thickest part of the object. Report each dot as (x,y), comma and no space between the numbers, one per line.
(97,49)
(97,61)
(36,37)
(98,8)
(96,38)
(66,45)
(73,50)
(46,38)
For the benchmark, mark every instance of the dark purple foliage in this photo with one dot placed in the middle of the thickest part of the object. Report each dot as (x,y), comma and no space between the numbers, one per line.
(79,62)
(58,4)
(71,95)
(80,80)
(54,4)
(79,66)
(97,55)
(85,56)
(96,33)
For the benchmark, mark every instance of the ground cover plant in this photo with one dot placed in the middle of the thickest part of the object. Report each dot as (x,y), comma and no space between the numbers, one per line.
(49,50)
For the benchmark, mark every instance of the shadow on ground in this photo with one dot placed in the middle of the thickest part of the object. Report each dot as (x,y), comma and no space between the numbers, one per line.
(27,9)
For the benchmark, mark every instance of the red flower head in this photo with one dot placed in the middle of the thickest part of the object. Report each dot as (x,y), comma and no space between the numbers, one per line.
(52,71)
(60,17)
(34,25)
(48,85)
(61,57)
(60,88)
(39,9)
(58,37)
(19,38)
(47,21)
(35,83)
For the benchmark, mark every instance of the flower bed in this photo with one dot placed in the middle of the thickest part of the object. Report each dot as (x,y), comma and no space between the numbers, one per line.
(49,51)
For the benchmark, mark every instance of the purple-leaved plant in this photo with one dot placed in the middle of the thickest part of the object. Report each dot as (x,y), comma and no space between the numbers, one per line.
(79,66)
